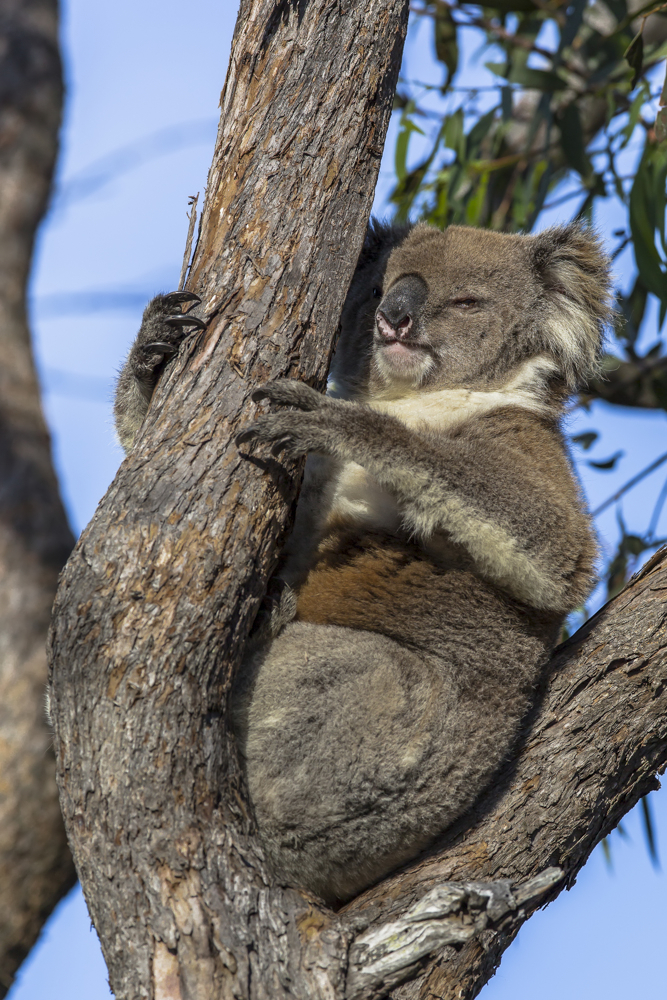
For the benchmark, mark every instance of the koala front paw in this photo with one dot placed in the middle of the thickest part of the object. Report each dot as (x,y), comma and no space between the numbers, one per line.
(289,392)
(161,333)
(293,434)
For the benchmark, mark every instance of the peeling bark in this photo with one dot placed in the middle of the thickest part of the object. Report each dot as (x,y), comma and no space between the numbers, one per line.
(36,867)
(157,599)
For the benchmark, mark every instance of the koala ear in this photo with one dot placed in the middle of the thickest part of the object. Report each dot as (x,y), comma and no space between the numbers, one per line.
(380,237)
(577,306)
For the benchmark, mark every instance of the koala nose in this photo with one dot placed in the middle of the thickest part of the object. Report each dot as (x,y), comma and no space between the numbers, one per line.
(394,328)
(399,309)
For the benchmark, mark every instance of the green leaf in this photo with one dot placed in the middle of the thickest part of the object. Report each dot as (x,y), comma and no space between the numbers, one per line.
(476,203)
(506,103)
(635,56)
(510,6)
(638,102)
(453,136)
(633,307)
(643,224)
(499,69)
(586,439)
(479,132)
(407,127)
(575,15)
(446,48)
(536,79)
(661,125)
(607,464)
(649,830)
(573,142)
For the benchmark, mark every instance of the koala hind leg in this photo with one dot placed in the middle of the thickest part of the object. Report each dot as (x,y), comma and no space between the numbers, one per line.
(160,335)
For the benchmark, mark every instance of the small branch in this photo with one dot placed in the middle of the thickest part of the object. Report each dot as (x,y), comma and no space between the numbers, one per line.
(450,914)
(630,483)
(192,204)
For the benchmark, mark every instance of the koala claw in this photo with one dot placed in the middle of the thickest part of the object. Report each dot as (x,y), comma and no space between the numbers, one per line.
(289,392)
(164,350)
(294,434)
(183,319)
(178,298)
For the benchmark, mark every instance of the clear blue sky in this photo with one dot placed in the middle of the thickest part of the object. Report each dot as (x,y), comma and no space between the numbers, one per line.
(143,84)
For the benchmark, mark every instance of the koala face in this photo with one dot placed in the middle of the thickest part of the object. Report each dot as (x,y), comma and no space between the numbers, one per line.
(464,307)
(455,309)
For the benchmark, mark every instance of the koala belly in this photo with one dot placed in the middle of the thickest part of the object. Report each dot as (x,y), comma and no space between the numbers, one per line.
(360,749)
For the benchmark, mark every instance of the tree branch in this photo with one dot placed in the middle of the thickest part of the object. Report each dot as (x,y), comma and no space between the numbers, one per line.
(156,602)
(36,867)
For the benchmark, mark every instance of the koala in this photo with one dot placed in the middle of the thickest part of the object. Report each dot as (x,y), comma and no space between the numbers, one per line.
(440,539)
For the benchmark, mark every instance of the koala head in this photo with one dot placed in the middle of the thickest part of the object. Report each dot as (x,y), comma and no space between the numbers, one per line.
(464,308)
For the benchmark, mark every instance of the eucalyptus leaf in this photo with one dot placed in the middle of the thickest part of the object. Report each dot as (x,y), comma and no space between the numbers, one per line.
(444,36)
(635,56)
(585,440)
(607,464)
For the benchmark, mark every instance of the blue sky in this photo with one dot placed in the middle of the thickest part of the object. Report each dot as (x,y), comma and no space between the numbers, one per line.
(144,81)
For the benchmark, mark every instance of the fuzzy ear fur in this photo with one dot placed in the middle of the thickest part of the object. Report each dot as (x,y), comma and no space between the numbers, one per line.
(575,272)
(380,236)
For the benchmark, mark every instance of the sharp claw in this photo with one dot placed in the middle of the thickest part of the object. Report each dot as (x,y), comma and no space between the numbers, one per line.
(177,297)
(183,319)
(160,348)
(244,436)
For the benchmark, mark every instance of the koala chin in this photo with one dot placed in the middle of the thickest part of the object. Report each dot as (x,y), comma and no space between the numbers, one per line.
(440,539)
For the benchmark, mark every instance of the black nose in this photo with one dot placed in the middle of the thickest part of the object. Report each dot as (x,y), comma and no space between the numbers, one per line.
(398,312)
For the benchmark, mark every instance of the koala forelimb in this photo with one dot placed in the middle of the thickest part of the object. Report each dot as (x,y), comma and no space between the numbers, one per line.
(440,539)
(158,340)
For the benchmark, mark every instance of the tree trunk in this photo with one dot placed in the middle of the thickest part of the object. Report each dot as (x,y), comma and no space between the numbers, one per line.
(156,602)
(36,867)
(163,586)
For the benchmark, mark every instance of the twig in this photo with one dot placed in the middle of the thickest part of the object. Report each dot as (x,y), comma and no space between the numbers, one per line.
(657,511)
(631,482)
(192,204)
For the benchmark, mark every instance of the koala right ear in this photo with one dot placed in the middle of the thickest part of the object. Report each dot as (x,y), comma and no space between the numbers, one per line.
(380,237)
(574,270)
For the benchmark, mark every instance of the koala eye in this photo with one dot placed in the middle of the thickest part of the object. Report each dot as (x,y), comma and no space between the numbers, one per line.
(464,303)
(377,292)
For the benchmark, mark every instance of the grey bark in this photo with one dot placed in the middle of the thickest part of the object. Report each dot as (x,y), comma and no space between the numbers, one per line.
(36,867)
(156,602)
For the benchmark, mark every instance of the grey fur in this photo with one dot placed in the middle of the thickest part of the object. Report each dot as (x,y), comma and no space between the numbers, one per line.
(440,539)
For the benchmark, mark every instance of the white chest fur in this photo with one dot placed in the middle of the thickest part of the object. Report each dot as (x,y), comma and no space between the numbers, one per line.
(352,495)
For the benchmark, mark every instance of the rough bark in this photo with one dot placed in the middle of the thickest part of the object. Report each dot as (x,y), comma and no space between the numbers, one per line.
(155,604)
(35,864)
(162,588)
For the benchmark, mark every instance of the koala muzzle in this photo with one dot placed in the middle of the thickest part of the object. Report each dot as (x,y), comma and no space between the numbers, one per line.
(398,313)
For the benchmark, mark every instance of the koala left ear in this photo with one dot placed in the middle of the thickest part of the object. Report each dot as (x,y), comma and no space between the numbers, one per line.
(574,270)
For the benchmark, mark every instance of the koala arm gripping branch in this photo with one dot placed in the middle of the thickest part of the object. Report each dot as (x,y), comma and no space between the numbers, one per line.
(500,486)
(158,340)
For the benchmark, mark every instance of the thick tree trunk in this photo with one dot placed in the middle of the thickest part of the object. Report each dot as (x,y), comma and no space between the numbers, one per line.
(157,600)
(155,604)
(35,864)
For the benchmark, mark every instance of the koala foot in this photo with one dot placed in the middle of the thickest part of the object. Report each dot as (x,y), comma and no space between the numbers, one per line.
(161,334)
